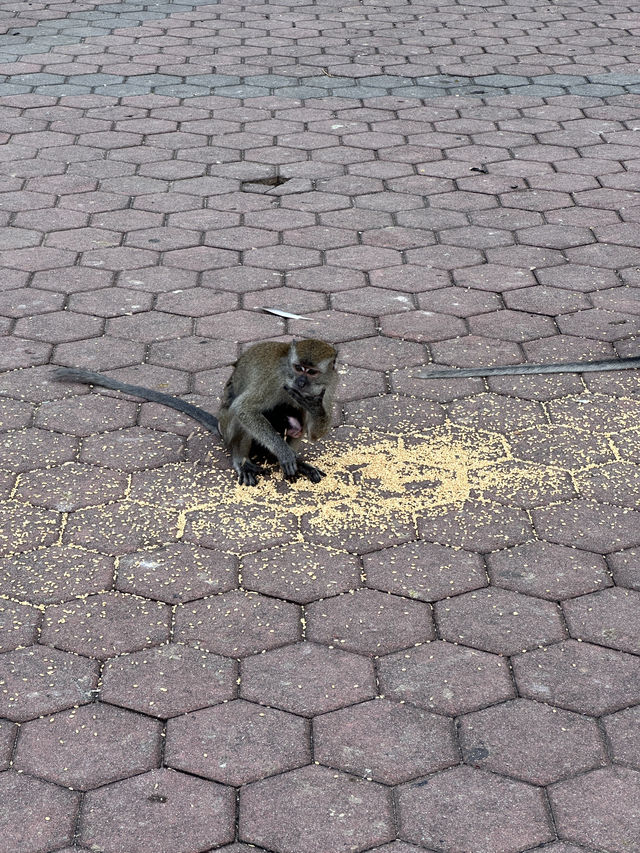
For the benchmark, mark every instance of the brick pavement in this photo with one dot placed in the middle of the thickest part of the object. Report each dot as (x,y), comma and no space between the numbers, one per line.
(437,648)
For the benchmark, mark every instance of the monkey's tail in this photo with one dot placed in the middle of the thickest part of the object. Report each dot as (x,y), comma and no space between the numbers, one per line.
(522,369)
(88,377)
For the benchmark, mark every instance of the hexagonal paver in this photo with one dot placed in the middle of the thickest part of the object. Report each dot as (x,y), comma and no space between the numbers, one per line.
(499,621)
(177,573)
(445,678)
(372,300)
(599,808)
(491,411)
(482,526)
(609,618)
(617,483)
(560,446)
(525,485)
(493,813)
(36,816)
(219,529)
(59,326)
(424,571)
(37,680)
(54,574)
(149,327)
(395,415)
(516,326)
(89,746)
(595,412)
(385,741)
(580,677)
(237,742)
(317,810)
(422,326)
(369,622)
(301,572)
(238,623)
(121,527)
(70,486)
(111,301)
(106,624)
(531,741)
(169,680)
(307,679)
(160,810)
(589,525)
(474,351)
(548,571)
(132,449)
(193,353)
(29,449)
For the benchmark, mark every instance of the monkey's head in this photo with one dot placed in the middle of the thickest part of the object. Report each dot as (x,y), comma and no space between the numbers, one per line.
(311,367)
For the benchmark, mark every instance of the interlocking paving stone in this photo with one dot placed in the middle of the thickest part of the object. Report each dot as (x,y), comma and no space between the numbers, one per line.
(55,574)
(446,188)
(579,676)
(161,809)
(238,623)
(307,679)
(37,680)
(168,680)
(599,807)
(495,812)
(548,571)
(446,678)
(300,572)
(315,809)
(531,741)
(37,815)
(385,741)
(499,621)
(369,622)
(88,747)
(237,742)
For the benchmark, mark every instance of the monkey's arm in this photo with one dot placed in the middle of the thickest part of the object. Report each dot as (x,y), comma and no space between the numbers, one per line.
(88,377)
(256,425)
(522,369)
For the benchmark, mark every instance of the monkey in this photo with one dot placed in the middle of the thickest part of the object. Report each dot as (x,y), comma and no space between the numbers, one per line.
(276,394)
(522,369)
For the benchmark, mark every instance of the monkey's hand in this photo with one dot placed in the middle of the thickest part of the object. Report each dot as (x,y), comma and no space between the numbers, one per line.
(288,462)
(310,472)
(313,405)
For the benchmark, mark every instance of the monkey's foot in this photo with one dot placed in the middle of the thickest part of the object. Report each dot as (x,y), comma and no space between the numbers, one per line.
(248,473)
(310,472)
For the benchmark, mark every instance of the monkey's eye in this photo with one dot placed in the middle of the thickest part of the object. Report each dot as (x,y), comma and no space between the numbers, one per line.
(311,371)
(298,368)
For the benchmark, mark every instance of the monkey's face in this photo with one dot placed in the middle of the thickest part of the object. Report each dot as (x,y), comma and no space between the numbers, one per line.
(310,381)
(310,373)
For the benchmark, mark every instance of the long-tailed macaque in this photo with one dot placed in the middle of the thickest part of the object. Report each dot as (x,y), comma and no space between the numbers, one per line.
(276,394)
(523,369)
